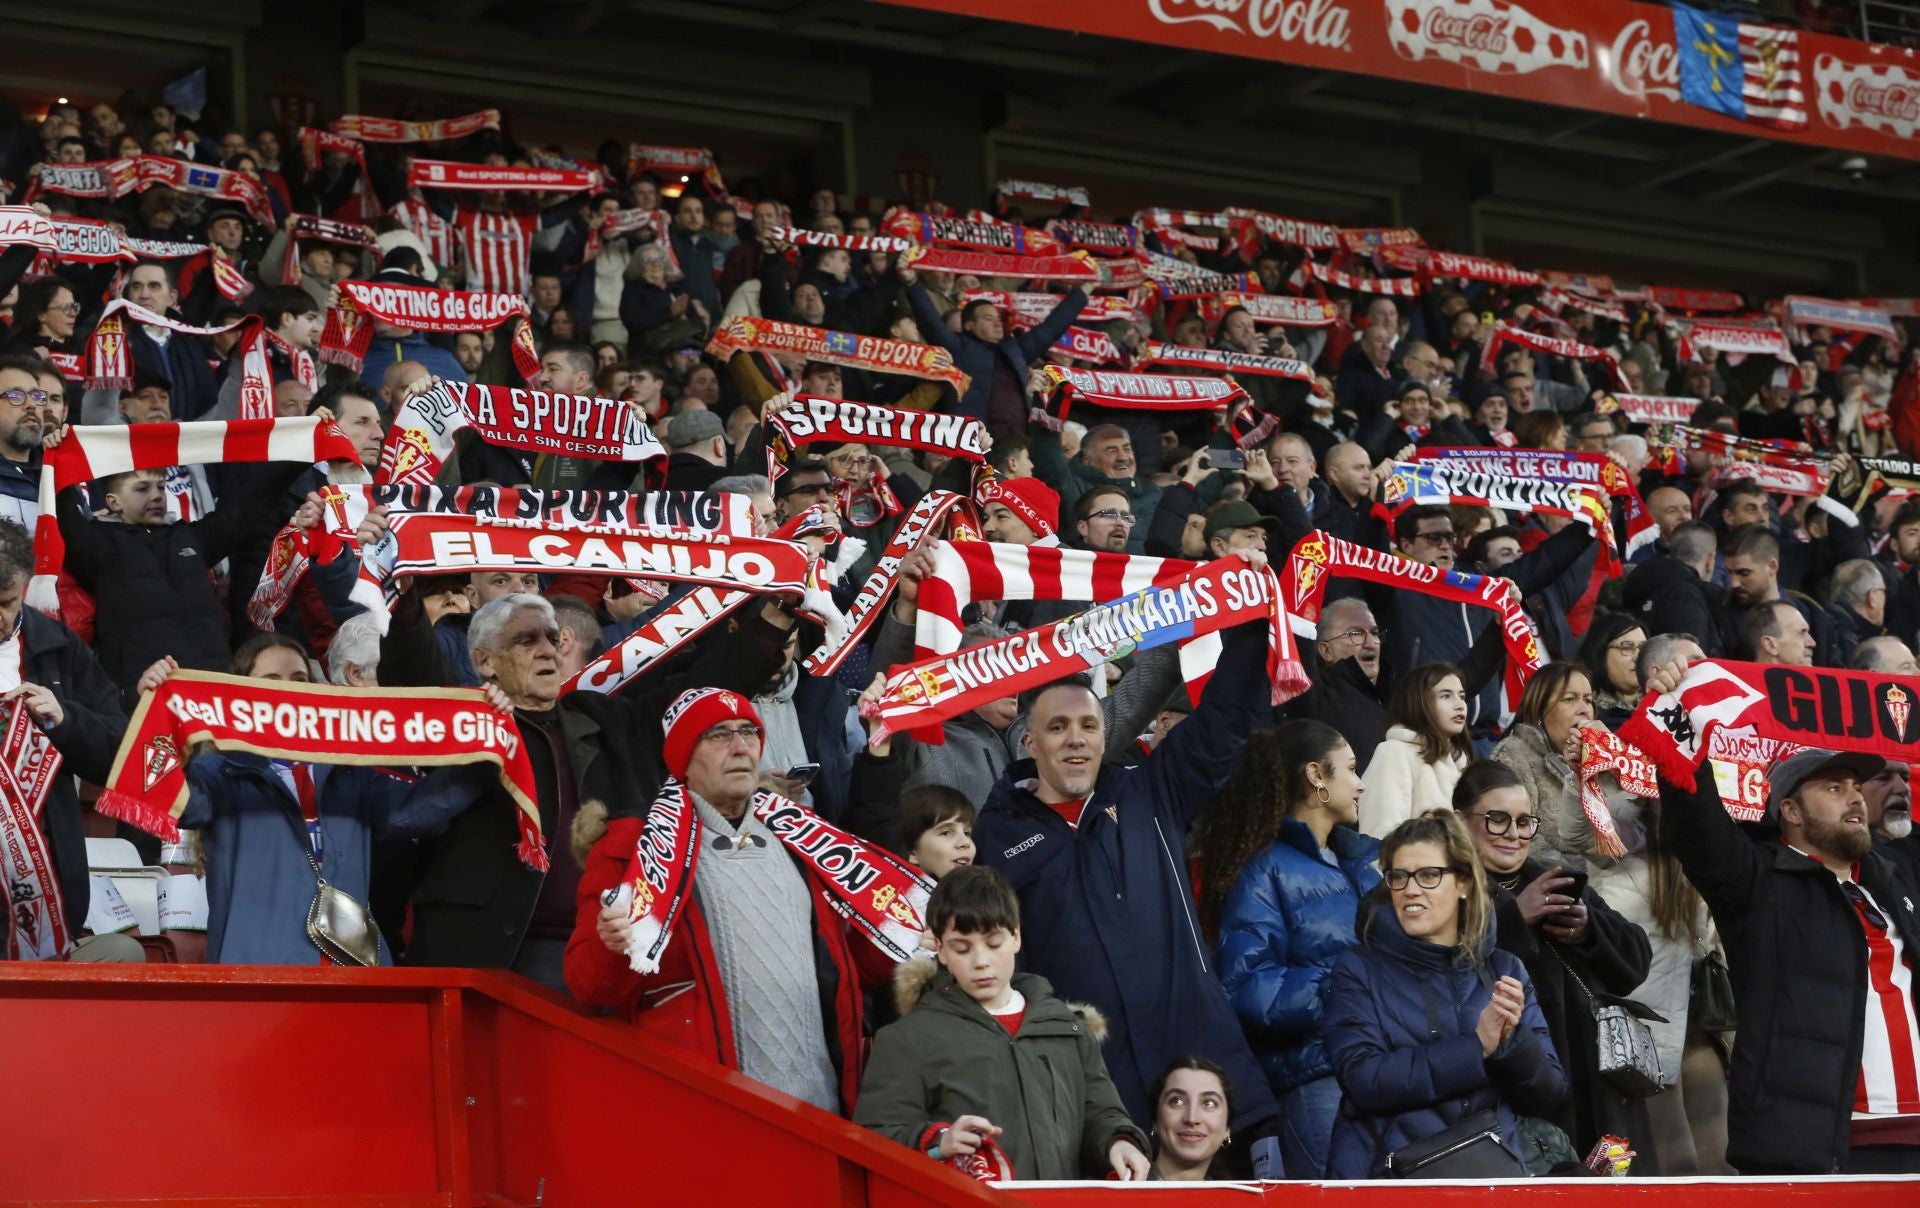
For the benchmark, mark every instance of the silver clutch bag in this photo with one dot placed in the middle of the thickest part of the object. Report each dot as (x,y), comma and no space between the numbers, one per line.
(342,928)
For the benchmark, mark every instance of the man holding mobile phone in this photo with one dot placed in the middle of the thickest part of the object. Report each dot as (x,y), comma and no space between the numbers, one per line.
(811,735)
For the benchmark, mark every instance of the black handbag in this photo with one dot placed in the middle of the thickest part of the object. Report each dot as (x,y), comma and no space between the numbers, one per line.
(1467,1149)
(1711,1008)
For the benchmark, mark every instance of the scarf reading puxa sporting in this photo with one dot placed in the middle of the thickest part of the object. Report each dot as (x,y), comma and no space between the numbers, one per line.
(870,888)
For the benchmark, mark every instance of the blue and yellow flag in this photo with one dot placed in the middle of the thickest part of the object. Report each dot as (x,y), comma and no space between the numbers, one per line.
(1707,46)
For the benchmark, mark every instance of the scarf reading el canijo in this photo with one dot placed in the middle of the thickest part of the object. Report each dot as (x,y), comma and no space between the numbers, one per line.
(90,452)
(315,723)
(1318,556)
(868,887)
(1860,711)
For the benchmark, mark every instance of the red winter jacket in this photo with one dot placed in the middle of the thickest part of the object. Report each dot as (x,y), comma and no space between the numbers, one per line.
(685,1002)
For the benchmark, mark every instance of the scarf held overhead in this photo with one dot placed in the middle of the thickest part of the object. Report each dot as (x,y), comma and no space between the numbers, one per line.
(311,723)
(1860,711)
(1140,391)
(110,359)
(811,417)
(513,417)
(1450,483)
(921,696)
(1579,469)
(449,174)
(865,885)
(871,353)
(1317,557)
(393,130)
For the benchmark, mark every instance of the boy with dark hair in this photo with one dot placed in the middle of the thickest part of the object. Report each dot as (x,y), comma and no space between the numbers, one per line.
(945,1079)
(936,828)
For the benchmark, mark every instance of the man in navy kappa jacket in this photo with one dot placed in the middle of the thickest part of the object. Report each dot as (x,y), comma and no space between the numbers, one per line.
(1098,858)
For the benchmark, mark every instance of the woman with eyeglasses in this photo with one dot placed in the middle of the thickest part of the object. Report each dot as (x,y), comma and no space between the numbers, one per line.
(1282,872)
(1610,655)
(1414,768)
(1544,748)
(1578,951)
(1426,1023)
(44,318)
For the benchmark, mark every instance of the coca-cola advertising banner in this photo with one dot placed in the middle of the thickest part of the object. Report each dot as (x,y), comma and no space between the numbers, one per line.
(1613,56)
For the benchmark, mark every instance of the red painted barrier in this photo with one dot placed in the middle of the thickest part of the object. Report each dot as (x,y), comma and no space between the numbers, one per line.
(409,1088)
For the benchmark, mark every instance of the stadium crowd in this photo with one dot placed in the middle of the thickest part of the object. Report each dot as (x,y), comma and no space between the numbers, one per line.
(1380,899)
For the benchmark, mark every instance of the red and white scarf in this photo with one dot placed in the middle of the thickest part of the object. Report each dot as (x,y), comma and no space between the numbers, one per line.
(867,886)
(451,174)
(202,180)
(1605,752)
(1177,356)
(1272,309)
(37,927)
(312,723)
(986,236)
(1387,287)
(1475,268)
(97,180)
(663,634)
(801,237)
(519,418)
(394,130)
(677,161)
(1175,278)
(1026,310)
(1368,240)
(1583,469)
(307,228)
(1738,339)
(24,226)
(1178,602)
(871,353)
(1571,349)
(1318,557)
(1100,238)
(1074,266)
(349,331)
(811,417)
(1655,409)
(1449,483)
(1033,190)
(1863,711)
(315,145)
(110,357)
(1668,298)
(1095,347)
(923,521)
(90,453)
(299,360)
(1140,391)
(1251,226)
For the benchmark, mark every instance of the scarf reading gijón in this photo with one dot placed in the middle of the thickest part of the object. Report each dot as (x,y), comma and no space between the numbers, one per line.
(313,723)
(1179,606)
(1862,711)
(37,927)
(1584,469)
(448,174)
(1319,556)
(89,453)
(524,420)
(1139,391)
(874,354)
(864,884)
(349,330)
(1454,482)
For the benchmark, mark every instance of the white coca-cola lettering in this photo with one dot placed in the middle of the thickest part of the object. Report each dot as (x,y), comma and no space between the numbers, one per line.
(1477,32)
(1315,22)
(1897,102)
(1642,67)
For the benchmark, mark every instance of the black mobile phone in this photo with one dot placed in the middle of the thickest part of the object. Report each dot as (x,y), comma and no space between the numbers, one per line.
(1237,458)
(1579,886)
(803,772)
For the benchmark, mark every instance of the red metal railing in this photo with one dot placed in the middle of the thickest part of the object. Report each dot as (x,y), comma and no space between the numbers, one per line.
(407,1088)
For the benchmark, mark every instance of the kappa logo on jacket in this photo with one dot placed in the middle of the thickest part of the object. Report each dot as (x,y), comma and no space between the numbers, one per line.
(1021,846)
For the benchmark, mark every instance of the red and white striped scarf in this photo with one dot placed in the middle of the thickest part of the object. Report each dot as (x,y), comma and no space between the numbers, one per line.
(984,234)
(1074,266)
(1571,349)
(37,927)
(299,360)
(1277,309)
(801,237)
(307,228)
(110,356)
(872,353)
(1475,268)
(677,161)
(88,453)
(1388,287)
(315,146)
(1033,190)
(349,331)
(394,130)
(1139,391)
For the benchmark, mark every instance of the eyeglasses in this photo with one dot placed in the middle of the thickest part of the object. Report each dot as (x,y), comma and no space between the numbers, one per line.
(1629,648)
(20,398)
(1425,878)
(725,736)
(1499,822)
(1445,538)
(1357,636)
(1113,514)
(68,308)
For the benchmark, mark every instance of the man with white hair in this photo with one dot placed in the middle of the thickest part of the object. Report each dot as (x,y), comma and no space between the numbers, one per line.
(1887,655)
(353,657)
(477,905)
(1858,605)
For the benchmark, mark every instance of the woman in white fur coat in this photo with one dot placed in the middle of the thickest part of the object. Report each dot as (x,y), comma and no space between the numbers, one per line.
(1415,768)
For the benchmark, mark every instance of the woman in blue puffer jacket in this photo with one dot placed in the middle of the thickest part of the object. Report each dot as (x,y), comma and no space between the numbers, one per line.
(1425,1021)
(1283,874)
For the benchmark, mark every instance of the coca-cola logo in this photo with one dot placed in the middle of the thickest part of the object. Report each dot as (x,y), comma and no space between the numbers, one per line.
(1477,32)
(1642,67)
(1895,102)
(1322,23)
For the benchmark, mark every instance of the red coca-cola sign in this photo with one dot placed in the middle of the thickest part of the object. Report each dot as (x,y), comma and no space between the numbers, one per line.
(1480,32)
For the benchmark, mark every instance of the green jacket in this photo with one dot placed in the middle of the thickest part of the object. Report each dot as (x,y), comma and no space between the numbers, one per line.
(1046,1087)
